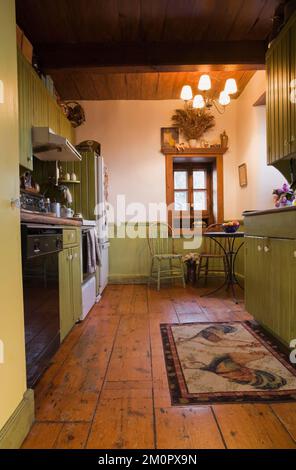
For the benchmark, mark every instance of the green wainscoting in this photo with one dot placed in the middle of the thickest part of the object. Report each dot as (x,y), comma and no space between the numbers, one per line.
(129,258)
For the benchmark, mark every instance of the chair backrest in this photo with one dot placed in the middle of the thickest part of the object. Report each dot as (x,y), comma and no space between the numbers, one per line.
(209,245)
(160,243)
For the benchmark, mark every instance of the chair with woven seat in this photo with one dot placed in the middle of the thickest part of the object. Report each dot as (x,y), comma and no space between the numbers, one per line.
(165,263)
(211,255)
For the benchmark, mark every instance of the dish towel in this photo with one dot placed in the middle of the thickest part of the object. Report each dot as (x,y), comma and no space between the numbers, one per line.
(93,251)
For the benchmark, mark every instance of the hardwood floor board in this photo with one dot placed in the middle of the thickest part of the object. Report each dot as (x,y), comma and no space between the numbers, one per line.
(76,406)
(187,307)
(159,374)
(187,428)
(252,426)
(192,317)
(124,307)
(42,436)
(129,367)
(123,420)
(131,385)
(72,436)
(286,413)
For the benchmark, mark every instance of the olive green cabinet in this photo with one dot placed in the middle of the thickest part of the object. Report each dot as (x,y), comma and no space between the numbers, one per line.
(85,192)
(70,285)
(26,92)
(270,280)
(281,107)
(36,108)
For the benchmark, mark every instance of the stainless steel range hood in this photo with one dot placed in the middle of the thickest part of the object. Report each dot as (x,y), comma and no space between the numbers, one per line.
(48,146)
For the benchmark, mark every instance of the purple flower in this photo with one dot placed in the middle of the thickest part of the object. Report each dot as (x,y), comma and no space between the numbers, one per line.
(286,187)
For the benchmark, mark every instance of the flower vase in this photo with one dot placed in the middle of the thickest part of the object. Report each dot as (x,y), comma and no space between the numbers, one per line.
(191,272)
(193,143)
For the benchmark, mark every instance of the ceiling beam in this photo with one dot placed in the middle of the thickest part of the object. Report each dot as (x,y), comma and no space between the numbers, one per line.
(161,57)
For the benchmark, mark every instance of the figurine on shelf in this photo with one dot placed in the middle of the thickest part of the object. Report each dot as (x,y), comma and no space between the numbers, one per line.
(180,147)
(224,140)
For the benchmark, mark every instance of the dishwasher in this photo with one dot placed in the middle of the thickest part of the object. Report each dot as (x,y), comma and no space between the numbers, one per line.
(40,268)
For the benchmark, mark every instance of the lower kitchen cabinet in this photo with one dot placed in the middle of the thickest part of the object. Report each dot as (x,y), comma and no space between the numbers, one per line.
(70,288)
(270,280)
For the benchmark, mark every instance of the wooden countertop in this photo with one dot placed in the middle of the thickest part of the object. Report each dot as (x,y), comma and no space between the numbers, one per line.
(35,217)
(270,211)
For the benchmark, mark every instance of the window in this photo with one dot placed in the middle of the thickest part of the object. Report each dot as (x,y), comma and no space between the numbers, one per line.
(192,193)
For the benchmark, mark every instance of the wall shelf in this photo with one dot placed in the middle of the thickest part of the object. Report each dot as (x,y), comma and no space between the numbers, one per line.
(69,182)
(195,151)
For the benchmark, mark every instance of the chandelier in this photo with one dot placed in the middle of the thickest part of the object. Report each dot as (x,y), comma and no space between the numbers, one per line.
(204,100)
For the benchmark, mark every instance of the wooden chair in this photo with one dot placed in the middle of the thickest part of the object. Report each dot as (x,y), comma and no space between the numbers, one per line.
(165,263)
(212,254)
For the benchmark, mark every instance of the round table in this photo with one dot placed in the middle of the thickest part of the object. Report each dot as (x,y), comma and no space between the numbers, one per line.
(230,251)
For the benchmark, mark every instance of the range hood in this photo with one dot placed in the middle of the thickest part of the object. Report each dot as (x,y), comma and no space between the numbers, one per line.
(48,146)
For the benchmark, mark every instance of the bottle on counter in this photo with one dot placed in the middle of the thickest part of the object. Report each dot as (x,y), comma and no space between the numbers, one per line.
(47,204)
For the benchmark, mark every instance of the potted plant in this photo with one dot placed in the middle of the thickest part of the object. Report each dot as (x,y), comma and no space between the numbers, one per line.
(283,196)
(191,260)
(193,123)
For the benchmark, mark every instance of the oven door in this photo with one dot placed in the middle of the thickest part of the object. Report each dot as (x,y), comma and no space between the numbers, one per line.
(42,319)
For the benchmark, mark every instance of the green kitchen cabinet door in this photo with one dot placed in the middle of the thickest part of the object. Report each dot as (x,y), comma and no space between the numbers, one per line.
(65,283)
(25,97)
(278,111)
(40,105)
(292,91)
(257,285)
(282,279)
(76,283)
(89,180)
(53,114)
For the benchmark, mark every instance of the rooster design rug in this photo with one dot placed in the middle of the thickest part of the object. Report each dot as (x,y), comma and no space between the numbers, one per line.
(225,363)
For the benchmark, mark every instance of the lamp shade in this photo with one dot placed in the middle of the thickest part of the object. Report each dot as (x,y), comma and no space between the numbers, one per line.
(186,93)
(224,98)
(198,102)
(230,86)
(204,83)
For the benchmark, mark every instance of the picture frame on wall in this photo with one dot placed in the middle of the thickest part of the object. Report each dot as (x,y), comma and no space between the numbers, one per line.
(243,175)
(169,137)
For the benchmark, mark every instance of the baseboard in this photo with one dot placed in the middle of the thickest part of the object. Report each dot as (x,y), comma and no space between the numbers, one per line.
(141,279)
(17,427)
(127,279)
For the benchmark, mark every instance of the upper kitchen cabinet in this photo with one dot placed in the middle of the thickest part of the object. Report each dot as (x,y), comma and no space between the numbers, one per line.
(37,108)
(281,87)
(26,92)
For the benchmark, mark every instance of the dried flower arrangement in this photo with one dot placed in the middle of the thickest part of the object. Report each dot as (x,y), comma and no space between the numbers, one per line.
(192,122)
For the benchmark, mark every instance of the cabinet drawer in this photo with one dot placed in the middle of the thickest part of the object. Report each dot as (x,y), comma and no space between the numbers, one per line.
(70,237)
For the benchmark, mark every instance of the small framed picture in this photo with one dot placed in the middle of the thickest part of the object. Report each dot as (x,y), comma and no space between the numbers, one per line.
(243,176)
(169,137)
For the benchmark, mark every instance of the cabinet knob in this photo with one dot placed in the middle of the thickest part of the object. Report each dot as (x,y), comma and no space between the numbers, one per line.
(15,202)
(70,257)
(75,255)
(294,254)
(259,248)
(266,249)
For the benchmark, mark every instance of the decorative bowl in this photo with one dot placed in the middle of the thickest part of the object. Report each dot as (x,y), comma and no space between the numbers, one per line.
(230,228)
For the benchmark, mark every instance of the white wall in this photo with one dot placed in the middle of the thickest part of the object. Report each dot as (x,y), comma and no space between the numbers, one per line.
(129,132)
(251,149)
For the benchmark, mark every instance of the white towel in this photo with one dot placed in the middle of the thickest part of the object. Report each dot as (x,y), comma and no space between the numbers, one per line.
(93,251)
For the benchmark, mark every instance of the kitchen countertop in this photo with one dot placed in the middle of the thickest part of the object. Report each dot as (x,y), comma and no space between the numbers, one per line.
(36,217)
(269,211)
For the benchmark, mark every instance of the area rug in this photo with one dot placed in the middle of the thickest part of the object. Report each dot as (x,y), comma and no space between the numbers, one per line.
(225,363)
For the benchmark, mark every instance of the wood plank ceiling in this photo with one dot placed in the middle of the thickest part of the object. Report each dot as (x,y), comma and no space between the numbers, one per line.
(145,49)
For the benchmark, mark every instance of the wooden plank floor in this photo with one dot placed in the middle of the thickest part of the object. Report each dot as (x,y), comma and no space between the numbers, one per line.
(107,385)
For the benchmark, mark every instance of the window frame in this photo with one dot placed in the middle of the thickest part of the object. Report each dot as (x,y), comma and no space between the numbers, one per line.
(190,167)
